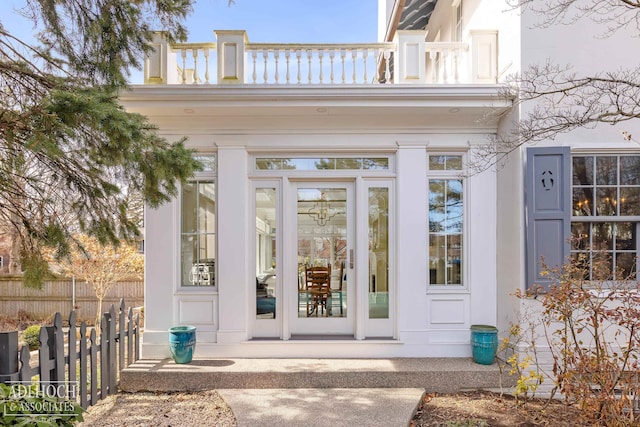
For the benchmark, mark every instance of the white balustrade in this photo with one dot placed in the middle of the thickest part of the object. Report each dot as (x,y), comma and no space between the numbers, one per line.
(318,63)
(409,59)
(445,61)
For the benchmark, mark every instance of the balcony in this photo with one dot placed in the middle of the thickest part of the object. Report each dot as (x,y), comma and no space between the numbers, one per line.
(233,60)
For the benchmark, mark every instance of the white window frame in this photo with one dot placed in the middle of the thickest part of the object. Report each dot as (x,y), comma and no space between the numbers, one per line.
(457,174)
(209,175)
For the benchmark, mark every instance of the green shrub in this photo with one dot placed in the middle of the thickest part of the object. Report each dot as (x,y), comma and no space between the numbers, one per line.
(31,336)
(25,405)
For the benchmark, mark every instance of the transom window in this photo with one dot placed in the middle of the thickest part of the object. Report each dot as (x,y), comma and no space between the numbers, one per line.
(322,163)
(446,220)
(606,215)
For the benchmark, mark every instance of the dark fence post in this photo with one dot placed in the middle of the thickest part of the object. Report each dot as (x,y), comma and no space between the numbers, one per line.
(112,358)
(8,356)
(58,356)
(137,335)
(73,356)
(45,353)
(120,339)
(104,356)
(93,355)
(130,337)
(26,372)
(83,365)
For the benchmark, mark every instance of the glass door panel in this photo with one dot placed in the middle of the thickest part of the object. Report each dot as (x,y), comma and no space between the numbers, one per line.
(323,237)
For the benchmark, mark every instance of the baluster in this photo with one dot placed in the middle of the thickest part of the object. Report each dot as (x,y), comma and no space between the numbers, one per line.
(287,55)
(254,76)
(276,54)
(298,55)
(206,65)
(445,70)
(310,58)
(365,58)
(433,57)
(265,57)
(387,66)
(354,57)
(456,76)
(320,56)
(379,55)
(183,53)
(194,53)
(343,54)
(332,55)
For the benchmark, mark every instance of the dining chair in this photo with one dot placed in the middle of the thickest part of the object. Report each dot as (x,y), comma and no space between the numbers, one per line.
(318,289)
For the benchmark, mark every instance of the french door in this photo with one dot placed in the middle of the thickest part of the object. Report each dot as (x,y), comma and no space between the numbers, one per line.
(323,236)
(304,228)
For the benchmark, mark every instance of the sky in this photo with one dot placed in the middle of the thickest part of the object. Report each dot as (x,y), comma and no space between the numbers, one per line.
(266,21)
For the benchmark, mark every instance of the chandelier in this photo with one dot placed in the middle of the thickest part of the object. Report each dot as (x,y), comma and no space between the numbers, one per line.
(321,211)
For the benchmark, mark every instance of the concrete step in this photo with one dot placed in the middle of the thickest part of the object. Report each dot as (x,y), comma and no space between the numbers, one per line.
(443,375)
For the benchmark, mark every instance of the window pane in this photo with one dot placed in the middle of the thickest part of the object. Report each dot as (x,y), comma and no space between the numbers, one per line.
(602,236)
(583,201)
(626,236)
(446,218)
(208,161)
(630,170)
(189,208)
(454,163)
(436,163)
(206,208)
(268,164)
(454,259)
(630,201)
(375,163)
(348,164)
(606,201)
(198,238)
(454,206)
(437,261)
(265,253)
(583,171)
(606,170)
(580,235)
(379,253)
(439,163)
(436,205)
(625,266)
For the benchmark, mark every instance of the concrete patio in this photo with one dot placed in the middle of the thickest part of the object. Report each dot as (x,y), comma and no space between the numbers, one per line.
(443,375)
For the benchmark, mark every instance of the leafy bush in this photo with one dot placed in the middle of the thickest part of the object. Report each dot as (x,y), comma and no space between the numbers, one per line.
(31,336)
(26,405)
(591,323)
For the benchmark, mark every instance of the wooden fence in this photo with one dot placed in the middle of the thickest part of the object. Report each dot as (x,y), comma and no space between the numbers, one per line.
(62,296)
(87,366)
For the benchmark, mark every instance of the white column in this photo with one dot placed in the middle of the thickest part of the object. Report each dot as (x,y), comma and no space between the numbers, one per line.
(412,217)
(231,52)
(233,250)
(410,57)
(160,66)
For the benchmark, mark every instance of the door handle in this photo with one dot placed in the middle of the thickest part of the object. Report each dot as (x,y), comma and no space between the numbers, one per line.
(351,259)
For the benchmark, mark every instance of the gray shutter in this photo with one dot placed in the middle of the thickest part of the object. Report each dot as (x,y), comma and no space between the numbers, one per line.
(548,210)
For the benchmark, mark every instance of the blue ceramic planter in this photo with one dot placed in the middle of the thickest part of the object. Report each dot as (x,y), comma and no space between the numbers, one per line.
(182,342)
(484,343)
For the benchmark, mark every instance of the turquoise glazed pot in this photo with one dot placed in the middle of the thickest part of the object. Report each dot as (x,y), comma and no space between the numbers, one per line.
(182,341)
(484,343)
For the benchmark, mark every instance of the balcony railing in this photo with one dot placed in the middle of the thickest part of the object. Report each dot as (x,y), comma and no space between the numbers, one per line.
(409,59)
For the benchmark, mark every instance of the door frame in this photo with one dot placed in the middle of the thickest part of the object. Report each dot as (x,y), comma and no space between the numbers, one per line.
(303,326)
